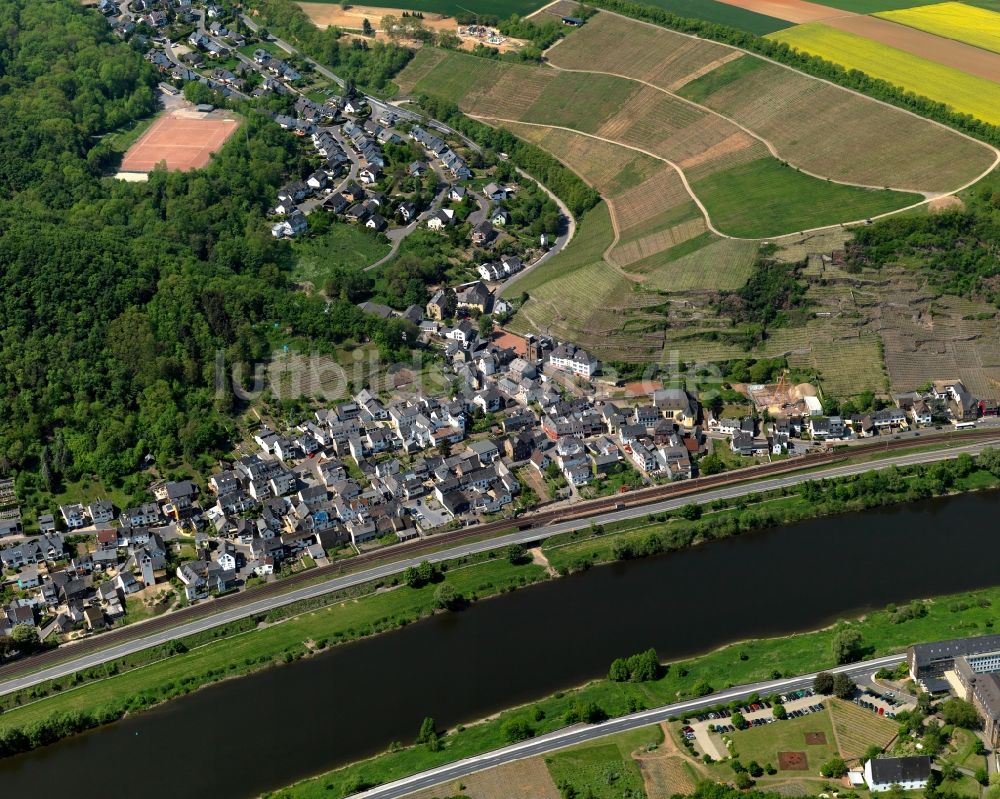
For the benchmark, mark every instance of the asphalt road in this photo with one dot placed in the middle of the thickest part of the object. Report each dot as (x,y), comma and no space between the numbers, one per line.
(521,537)
(583,733)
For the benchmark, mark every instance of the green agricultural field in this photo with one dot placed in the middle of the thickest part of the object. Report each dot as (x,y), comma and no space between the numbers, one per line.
(580,101)
(706,263)
(708,84)
(343,246)
(764,198)
(605,770)
(454,77)
(723,14)
(964,93)
(454,8)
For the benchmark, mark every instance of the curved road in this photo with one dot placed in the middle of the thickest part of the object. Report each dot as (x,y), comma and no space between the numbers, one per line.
(520,537)
(579,734)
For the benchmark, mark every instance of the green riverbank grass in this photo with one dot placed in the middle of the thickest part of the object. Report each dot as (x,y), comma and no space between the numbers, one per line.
(251,650)
(970,613)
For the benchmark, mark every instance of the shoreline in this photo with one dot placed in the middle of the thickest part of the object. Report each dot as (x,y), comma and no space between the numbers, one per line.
(504,578)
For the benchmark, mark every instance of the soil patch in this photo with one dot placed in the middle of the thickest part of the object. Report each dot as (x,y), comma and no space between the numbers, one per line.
(792,761)
(815,739)
(797,11)
(949,203)
(521,778)
(324,15)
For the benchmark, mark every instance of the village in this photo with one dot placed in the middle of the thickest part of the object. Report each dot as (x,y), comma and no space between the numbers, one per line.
(529,422)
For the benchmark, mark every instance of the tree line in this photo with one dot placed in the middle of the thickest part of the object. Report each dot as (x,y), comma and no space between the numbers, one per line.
(578,196)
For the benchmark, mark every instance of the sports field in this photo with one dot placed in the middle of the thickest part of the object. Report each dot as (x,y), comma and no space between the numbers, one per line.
(964,93)
(976,26)
(183,140)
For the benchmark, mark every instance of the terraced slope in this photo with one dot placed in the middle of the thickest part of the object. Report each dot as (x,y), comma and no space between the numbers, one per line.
(707,148)
(818,127)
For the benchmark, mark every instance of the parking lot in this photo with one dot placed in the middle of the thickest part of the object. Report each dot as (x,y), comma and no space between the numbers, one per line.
(428,513)
(883,704)
(706,730)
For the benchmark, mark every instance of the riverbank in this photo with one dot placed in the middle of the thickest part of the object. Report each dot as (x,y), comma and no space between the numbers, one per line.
(313,629)
(883,632)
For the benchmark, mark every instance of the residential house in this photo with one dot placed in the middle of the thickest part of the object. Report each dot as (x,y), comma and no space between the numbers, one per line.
(475,297)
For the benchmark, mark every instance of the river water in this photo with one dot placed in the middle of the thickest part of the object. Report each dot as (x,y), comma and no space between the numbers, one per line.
(245,736)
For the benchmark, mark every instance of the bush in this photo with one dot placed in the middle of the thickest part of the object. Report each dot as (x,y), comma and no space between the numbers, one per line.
(960,713)
(515,730)
(636,668)
(834,768)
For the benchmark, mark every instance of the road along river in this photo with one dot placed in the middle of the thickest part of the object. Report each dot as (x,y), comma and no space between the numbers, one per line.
(241,737)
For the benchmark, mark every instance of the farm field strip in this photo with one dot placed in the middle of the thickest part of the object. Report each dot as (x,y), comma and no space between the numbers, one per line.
(816,125)
(635,50)
(721,265)
(964,23)
(625,253)
(857,728)
(722,13)
(963,92)
(967,58)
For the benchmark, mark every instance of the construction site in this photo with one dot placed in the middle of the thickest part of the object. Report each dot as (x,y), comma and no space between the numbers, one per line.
(785,399)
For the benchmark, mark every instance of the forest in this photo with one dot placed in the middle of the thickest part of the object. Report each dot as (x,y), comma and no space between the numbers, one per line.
(117,298)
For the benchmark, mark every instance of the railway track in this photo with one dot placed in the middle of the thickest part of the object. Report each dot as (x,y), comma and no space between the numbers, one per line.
(632,499)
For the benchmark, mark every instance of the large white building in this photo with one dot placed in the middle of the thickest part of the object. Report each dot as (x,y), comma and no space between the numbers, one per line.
(910,773)
(573,359)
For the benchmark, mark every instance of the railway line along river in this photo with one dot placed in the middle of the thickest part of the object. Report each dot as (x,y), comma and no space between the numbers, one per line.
(242,737)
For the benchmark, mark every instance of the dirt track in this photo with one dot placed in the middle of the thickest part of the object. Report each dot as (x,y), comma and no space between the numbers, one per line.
(948,52)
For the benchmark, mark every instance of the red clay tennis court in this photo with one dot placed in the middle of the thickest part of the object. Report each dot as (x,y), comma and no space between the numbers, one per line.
(184,141)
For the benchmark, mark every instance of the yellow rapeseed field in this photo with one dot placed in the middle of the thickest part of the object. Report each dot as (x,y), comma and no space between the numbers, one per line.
(976,26)
(964,93)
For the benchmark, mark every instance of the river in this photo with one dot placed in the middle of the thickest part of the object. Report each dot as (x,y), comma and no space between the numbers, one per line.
(245,736)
